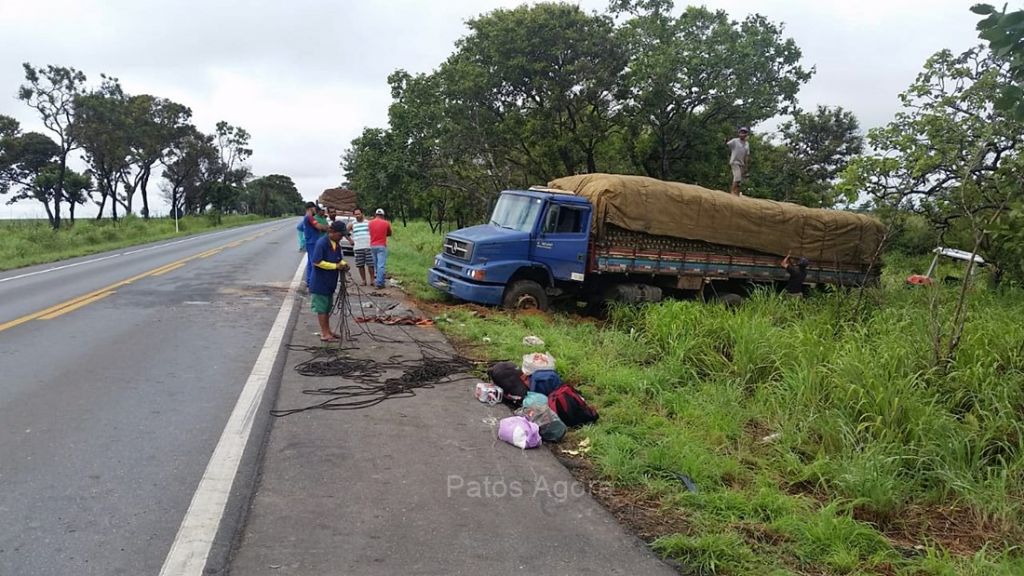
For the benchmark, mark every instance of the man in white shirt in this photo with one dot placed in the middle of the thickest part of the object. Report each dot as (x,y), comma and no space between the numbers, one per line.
(739,159)
(360,234)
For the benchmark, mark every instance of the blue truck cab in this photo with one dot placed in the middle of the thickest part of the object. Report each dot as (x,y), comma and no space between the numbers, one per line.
(536,242)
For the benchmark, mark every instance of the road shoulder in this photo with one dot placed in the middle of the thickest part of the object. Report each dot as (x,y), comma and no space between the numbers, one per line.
(417,485)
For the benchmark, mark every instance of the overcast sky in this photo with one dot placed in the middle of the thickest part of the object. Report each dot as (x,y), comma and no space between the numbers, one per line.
(305,76)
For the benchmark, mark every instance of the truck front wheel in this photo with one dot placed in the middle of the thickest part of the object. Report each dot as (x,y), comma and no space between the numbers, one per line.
(524,295)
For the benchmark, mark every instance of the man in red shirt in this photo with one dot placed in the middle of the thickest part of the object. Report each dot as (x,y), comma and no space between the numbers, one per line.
(380,229)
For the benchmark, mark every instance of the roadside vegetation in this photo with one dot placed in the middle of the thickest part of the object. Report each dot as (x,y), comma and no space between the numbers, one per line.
(28,242)
(823,436)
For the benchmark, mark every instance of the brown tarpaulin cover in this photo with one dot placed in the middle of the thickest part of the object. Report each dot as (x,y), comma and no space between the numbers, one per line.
(653,206)
(341,199)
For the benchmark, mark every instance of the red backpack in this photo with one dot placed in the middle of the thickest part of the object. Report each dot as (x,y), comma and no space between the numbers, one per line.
(571,408)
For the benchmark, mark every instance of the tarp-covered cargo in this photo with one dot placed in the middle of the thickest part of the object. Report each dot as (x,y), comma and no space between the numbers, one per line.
(653,206)
(341,199)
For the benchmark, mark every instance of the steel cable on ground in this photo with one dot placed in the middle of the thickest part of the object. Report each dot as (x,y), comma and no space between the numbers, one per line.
(434,366)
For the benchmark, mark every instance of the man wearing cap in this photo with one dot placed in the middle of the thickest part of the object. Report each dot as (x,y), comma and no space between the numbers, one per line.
(380,229)
(797,276)
(327,263)
(312,230)
(739,159)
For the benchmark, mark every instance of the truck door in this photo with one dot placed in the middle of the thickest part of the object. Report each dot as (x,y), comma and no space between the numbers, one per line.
(562,241)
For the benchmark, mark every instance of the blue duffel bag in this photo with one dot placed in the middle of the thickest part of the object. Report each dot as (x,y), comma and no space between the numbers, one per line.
(545,381)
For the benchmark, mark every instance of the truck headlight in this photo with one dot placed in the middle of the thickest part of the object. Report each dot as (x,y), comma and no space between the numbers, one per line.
(437,262)
(475,274)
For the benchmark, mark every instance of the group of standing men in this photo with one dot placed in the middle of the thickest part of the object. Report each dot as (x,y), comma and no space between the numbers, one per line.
(321,235)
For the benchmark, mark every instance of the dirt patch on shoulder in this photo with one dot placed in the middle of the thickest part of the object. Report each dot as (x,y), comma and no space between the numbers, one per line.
(958,530)
(642,514)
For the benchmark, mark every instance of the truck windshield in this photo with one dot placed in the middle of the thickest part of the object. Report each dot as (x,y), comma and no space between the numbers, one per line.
(516,212)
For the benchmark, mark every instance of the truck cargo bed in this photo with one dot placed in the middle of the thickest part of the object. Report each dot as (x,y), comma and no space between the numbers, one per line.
(624,251)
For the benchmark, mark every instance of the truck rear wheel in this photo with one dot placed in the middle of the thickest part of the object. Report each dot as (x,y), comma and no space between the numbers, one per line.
(523,295)
(730,299)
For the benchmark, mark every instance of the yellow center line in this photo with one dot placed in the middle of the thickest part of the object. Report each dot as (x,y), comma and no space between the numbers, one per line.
(169,269)
(76,306)
(85,299)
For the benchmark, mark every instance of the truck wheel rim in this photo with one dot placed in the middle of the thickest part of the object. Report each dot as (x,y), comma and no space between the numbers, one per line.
(527,302)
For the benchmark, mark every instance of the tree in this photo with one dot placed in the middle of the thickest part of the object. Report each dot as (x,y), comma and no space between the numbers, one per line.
(815,148)
(948,154)
(1004,32)
(222,198)
(537,92)
(26,157)
(273,195)
(528,95)
(371,165)
(52,91)
(546,75)
(76,186)
(233,146)
(189,167)
(9,127)
(103,128)
(694,78)
(9,130)
(156,124)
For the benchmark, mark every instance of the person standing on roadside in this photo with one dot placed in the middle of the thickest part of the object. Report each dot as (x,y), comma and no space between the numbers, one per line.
(321,217)
(739,159)
(301,228)
(327,263)
(380,230)
(312,230)
(360,234)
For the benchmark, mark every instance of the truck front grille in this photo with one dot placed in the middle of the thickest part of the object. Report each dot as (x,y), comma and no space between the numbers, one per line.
(457,248)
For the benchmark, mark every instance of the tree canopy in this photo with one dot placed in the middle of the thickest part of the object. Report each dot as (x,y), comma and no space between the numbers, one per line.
(125,140)
(537,92)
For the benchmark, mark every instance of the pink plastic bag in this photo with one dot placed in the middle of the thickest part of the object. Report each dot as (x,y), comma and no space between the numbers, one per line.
(519,432)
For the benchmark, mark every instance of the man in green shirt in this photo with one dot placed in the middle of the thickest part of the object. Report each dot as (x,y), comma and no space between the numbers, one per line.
(321,219)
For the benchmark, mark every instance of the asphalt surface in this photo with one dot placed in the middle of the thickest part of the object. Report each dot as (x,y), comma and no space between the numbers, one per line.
(416,485)
(118,372)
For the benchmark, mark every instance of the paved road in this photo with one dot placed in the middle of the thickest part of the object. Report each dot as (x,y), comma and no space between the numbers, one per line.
(118,372)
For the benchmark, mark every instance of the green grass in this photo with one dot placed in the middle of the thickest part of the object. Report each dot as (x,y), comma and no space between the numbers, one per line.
(821,434)
(28,242)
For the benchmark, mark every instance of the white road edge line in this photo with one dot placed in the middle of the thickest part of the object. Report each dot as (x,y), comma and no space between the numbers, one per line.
(192,544)
(65,266)
(55,268)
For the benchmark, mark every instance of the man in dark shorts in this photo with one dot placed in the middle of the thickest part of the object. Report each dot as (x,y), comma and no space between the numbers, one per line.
(328,262)
(360,231)
(797,276)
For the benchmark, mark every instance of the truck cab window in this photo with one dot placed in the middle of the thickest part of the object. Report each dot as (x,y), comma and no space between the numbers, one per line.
(563,220)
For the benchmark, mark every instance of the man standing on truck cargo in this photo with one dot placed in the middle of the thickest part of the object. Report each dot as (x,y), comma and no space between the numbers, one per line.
(797,276)
(739,159)
(380,229)
(360,234)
